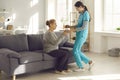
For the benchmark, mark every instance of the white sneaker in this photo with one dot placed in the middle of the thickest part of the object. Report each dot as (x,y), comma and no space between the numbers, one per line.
(79,69)
(90,66)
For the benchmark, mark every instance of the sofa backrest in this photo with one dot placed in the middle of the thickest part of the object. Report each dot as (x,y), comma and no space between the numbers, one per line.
(23,42)
(14,42)
(35,42)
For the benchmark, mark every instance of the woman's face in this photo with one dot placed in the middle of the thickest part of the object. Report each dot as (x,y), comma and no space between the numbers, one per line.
(79,9)
(53,25)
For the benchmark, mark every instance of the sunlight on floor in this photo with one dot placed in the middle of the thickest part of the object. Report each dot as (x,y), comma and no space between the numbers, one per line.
(95,77)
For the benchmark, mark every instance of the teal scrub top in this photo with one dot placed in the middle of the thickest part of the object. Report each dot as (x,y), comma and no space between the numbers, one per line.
(83,17)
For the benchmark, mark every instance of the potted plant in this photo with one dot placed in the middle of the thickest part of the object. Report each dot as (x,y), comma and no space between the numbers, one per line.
(118,28)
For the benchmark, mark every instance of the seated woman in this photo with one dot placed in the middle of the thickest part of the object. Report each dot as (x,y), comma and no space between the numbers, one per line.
(51,43)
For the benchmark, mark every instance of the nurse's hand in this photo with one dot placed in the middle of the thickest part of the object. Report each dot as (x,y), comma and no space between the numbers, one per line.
(72,29)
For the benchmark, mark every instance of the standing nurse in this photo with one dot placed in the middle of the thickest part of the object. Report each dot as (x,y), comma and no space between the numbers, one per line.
(81,30)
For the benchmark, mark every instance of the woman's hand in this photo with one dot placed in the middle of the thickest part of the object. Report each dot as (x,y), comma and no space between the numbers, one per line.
(66,32)
(72,29)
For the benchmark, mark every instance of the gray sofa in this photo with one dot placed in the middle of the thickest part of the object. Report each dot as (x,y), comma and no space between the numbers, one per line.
(23,53)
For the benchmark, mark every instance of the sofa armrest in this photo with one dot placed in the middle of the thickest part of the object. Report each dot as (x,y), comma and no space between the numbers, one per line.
(68,44)
(9,53)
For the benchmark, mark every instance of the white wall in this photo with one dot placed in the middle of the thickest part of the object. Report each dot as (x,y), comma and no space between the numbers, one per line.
(50,9)
(30,13)
(105,41)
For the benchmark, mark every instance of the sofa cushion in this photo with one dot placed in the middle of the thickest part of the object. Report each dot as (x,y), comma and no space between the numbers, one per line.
(14,42)
(35,42)
(46,57)
(39,51)
(28,57)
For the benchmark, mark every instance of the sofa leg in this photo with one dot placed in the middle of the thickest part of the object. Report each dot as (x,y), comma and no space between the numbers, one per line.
(13,77)
(0,75)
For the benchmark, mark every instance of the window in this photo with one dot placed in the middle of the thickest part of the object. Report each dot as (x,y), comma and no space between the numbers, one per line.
(111,14)
(64,7)
(59,10)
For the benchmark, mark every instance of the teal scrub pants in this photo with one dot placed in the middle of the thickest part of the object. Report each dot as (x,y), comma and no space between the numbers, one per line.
(81,37)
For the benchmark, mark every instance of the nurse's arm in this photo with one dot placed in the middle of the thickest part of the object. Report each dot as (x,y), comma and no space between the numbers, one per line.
(85,25)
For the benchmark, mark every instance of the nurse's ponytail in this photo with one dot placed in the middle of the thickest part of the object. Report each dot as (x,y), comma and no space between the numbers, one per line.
(85,8)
